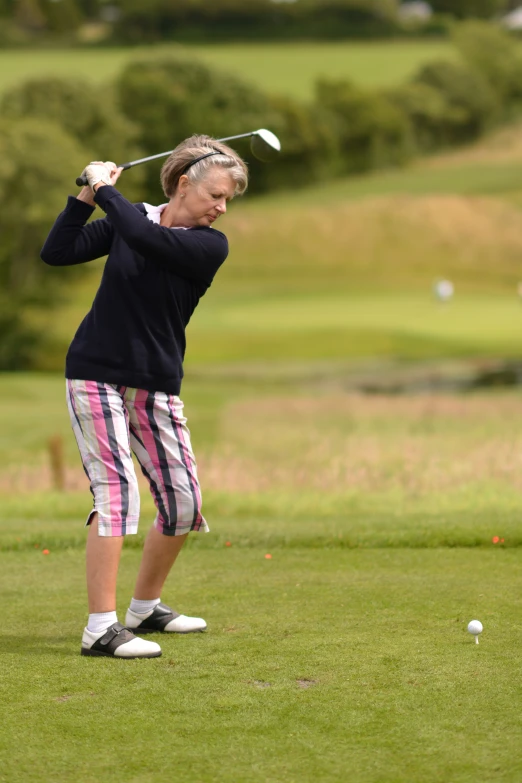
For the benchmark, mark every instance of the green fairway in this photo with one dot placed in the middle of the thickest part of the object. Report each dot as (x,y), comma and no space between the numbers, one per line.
(339,326)
(302,327)
(282,68)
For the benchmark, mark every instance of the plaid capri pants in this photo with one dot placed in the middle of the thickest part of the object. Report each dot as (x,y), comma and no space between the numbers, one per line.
(109,423)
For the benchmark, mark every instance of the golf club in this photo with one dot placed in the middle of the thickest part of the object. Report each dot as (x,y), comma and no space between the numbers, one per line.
(264,145)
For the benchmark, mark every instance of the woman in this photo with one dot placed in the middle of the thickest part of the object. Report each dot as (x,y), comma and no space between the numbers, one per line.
(124,371)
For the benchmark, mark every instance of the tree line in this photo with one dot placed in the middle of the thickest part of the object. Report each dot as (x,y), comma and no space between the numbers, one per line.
(133,21)
(50,128)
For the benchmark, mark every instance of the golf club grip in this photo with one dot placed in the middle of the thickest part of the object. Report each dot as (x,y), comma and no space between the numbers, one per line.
(82,179)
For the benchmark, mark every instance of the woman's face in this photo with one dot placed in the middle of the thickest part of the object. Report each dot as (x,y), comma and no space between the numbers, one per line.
(204,202)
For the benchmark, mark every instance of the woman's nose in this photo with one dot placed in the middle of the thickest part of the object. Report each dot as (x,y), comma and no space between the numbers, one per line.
(222,206)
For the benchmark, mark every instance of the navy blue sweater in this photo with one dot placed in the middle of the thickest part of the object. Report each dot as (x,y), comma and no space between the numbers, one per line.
(134,334)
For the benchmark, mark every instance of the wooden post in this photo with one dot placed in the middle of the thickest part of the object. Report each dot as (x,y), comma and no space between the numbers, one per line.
(57,462)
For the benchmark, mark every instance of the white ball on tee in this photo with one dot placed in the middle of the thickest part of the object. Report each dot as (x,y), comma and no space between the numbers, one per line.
(475,627)
(443,290)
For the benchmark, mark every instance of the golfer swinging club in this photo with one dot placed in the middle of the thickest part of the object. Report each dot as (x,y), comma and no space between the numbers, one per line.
(124,371)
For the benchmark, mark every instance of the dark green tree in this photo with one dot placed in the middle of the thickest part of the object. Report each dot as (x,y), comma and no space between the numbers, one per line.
(330,19)
(29,15)
(255,19)
(463,9)
(61,16)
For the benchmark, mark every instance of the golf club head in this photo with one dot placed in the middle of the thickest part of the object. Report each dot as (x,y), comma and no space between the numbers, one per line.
(265,145)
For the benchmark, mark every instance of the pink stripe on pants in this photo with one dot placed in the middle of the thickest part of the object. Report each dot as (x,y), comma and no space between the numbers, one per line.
(110,422)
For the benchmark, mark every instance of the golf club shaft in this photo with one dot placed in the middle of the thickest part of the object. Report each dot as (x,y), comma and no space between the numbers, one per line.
(82,180)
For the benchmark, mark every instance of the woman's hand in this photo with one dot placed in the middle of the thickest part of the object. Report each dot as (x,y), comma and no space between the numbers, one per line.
(99,174)
(114,171)
(96,173)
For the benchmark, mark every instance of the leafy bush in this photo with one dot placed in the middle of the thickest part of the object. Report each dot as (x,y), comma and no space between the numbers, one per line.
(171,99)
(87,116)
(19,343)
(426,110)
(309,143)
(471,106)
(371,131)
(494,54)
(36,161)
(12,35)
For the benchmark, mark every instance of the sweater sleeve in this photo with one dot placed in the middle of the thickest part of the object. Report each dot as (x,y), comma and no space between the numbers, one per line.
(195,254)
(71,242)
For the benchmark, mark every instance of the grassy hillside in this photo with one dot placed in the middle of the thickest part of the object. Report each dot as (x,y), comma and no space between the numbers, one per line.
(347,270)
(285,68)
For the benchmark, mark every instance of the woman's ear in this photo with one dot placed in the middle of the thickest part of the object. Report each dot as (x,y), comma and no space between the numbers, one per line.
(182,185)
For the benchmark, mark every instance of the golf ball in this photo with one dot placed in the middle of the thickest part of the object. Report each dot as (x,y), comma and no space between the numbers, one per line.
(443,290)
(475,627)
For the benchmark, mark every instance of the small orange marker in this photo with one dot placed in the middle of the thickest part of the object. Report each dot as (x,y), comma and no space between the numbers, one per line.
(495,539)
(45,551)
(501,540)
(227,543)
(268,557)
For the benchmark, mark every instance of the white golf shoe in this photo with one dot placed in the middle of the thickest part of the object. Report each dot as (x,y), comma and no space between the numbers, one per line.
(163,619)
(118,642)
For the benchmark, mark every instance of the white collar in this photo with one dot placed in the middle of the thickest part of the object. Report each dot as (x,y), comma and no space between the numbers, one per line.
(154,213)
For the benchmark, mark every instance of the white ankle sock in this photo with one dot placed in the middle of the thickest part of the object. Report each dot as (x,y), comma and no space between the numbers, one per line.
(100,621)
(143,607)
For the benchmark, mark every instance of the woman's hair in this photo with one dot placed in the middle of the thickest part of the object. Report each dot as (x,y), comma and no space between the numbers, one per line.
(182,161)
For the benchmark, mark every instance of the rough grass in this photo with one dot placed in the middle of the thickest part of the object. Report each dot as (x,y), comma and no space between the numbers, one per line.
(371,444)
(282,68)
(501,146)
(341,470)
(395,242)
(398,240)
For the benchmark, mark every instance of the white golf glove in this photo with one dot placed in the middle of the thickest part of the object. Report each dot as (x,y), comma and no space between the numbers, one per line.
(98,172)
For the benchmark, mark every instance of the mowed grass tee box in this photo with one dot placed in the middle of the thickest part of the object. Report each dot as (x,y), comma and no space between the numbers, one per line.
(351,543)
